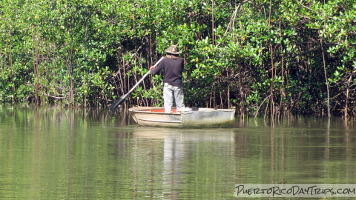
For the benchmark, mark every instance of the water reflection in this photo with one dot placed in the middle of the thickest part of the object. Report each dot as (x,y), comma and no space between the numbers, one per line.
(181,159)
(309,153)
(56,153)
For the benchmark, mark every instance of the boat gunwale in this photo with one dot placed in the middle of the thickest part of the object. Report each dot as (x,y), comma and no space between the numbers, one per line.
(150,110)
(155,113)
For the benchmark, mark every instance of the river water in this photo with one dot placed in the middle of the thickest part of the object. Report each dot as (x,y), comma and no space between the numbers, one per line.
(57,153)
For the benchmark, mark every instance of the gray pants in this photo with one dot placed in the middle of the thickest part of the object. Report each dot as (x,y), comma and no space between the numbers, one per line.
(168,92)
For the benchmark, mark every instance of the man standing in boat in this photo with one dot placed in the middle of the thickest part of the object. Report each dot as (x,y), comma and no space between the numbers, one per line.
(172,66)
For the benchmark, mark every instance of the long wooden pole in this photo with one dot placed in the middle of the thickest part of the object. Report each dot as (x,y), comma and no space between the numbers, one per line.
(123,98)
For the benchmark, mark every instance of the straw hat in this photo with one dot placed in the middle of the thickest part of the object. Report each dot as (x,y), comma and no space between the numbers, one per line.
(173,49)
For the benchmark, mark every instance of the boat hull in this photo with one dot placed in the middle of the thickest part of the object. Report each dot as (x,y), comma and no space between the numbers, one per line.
(197,117)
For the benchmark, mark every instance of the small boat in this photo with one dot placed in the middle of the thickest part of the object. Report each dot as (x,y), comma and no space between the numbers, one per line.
(195,117)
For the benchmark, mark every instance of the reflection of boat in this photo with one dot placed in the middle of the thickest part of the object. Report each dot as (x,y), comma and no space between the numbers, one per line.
(197,117)
(218,135)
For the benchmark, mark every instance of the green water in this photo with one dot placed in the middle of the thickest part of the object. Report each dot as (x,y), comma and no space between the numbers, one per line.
(56,153)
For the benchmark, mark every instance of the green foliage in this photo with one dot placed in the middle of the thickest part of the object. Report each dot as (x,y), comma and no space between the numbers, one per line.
(258,56)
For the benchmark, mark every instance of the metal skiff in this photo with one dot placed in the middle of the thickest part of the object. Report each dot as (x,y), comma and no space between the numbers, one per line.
(196,117)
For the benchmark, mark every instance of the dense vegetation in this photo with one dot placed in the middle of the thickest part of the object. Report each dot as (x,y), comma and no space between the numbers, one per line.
(260,56)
